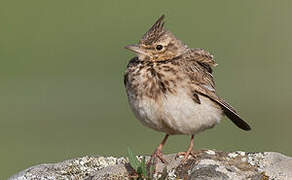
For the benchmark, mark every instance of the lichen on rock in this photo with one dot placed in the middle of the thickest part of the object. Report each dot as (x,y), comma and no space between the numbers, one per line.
(208,164)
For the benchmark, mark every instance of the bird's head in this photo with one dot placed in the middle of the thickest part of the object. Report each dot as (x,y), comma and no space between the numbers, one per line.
(157,44)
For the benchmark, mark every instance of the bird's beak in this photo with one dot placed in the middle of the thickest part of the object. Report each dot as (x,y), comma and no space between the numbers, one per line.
(135,48)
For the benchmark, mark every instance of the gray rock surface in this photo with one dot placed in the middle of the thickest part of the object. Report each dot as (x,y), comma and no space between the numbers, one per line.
(209,164)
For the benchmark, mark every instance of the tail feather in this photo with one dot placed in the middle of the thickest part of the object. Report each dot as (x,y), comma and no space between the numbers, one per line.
(236,119)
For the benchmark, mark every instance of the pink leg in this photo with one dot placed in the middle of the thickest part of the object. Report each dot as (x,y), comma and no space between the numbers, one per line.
(189,151)
(158,152)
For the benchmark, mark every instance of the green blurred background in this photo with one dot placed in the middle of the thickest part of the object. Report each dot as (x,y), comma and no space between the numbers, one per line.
(62,64)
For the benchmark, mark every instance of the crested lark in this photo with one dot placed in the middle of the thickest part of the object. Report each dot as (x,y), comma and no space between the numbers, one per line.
(170,87)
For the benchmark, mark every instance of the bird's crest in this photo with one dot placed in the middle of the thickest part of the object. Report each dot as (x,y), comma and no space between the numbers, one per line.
(154,32)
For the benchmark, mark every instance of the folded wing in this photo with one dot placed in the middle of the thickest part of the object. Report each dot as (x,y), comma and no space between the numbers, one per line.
(198,63)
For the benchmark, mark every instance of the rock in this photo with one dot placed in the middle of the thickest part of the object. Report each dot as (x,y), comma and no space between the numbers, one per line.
(208,164)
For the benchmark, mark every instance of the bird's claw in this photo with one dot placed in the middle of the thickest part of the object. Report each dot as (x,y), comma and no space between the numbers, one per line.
(186,155)
(157,155)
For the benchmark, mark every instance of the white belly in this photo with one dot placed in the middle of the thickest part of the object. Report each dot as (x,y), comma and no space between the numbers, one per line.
(176,114)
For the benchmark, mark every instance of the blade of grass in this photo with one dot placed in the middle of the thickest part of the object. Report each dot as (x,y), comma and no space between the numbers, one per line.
(133,160)
(143,167)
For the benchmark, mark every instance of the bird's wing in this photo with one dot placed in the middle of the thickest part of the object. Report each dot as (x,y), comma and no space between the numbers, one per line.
(202,83)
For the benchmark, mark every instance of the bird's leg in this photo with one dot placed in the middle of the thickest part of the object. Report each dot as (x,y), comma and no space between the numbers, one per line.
(189,151)
(158,153)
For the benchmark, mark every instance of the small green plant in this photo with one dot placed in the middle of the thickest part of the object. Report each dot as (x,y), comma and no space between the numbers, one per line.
(140,166)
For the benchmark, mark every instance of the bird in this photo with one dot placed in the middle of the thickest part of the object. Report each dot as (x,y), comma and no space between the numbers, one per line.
(171,89)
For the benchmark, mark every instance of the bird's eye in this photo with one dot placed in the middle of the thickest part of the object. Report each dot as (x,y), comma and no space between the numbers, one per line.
(159,47)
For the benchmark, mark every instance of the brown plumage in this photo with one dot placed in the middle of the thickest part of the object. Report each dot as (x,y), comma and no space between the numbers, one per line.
(170,87)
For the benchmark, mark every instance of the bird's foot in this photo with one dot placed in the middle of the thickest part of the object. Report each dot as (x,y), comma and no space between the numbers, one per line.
(155,156)
(151,164)
(186,155)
